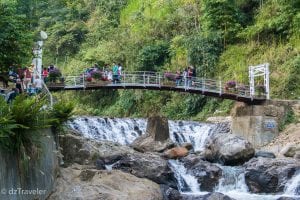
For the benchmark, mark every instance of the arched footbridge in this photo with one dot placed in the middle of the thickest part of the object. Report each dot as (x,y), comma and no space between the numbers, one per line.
(158,81)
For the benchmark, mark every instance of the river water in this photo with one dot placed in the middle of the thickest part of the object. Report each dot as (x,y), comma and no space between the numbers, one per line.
(125,131)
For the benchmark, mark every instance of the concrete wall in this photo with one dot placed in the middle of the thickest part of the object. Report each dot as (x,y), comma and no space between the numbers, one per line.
(259,124)
(32,177)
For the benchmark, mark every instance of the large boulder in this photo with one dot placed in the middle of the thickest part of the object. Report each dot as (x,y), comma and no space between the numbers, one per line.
(113,185)
(207,174)
(170,193)
(267,175)
(146,143)
(76,149)
(229,149)
(176,152)
(290,150)
(147,165)
(157,137)
(209,196)
(158,128)
(264,154)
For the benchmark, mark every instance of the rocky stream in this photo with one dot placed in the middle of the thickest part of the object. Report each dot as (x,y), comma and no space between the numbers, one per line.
(104,158)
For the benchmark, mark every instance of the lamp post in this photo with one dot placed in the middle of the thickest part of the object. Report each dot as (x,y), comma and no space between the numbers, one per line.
(37,52)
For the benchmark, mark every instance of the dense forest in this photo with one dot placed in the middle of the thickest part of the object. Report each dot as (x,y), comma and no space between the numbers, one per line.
(221,38)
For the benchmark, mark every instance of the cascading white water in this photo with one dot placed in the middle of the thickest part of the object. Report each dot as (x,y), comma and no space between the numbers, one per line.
(293,186)
(125,131)
(233,179)
(186,182)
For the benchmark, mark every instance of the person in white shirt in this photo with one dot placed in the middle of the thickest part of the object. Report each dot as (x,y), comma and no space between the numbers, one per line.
(38,83)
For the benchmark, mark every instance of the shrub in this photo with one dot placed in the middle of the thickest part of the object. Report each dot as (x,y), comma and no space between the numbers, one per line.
(231,84)
(54,75)
(96,75)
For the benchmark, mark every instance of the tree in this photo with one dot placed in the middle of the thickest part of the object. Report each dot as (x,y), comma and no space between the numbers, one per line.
(15,39)
(151,57)
(204,52)
(221,16)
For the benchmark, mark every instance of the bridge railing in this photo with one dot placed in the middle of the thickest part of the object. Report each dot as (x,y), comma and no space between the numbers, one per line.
(156,79)
(44,93)
(74,81)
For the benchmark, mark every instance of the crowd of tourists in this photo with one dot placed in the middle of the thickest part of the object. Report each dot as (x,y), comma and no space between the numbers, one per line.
(112,74)
(25,81)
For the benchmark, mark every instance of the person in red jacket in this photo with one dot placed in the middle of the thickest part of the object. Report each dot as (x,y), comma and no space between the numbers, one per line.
(28,76)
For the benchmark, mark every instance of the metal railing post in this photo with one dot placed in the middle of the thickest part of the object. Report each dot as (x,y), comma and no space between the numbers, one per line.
(124,79)
(83,81)
(203,85)
(220,85)
(144,80)
(159,80)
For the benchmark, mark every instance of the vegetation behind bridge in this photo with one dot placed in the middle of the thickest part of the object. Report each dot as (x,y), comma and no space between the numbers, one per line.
(221,38)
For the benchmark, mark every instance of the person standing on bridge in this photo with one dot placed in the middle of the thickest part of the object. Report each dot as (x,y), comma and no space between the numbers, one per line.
(115,71)
(119,72)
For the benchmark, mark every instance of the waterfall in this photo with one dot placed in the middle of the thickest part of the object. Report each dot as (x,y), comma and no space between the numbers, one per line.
(233,179)
(125,131)
(186,182)
(293,186)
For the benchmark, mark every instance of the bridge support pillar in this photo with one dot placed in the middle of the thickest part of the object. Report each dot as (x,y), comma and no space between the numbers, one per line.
(259,124)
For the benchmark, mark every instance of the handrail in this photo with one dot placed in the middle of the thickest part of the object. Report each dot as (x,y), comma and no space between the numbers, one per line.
(47,91)
(157,79)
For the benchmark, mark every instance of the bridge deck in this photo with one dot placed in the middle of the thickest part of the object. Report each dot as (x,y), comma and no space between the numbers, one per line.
(149,82)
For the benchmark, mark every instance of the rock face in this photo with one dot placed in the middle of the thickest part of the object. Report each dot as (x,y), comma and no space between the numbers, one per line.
(113,185)
(146,143)
(170,193)
(229,149)
(210,196)
(76,149)
(147,165)
(158,128)
(264,154)
(266,175)
(290,150)
(176,152)
(207,174)
(157,137)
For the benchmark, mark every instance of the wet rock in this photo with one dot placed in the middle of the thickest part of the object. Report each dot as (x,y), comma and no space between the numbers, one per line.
(297,155)
(158,128)
(87,175)
(207,174)
(267,175)
(146,143)
(288,198)
(100,164)
(176,152)
(229,149)
(170,193)
(209,196)
(76,149)
(264,154)
(290,150)
(187,145)
(113,185)
(147,165)
(157,137)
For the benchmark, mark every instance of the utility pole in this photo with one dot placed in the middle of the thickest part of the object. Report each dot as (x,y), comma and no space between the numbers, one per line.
(37,52)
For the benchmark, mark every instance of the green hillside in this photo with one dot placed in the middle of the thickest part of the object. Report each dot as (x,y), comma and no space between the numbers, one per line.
(221,38)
